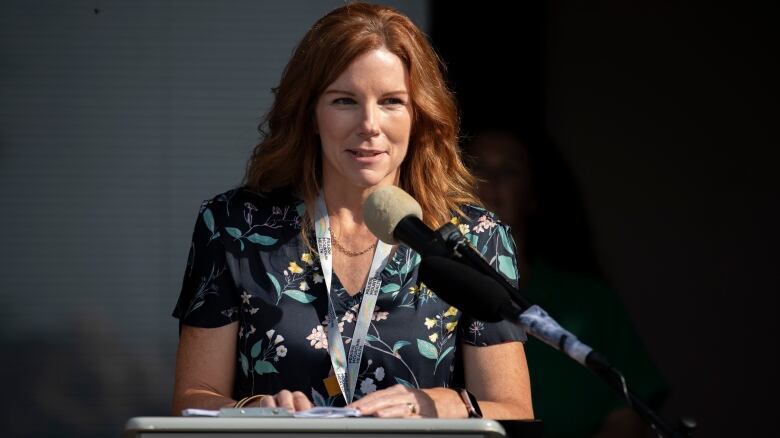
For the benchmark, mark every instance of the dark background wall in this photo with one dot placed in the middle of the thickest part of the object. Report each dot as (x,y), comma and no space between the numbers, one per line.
(667,115)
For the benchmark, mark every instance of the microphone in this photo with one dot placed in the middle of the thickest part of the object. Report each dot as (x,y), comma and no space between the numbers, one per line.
(393,215)
(486,300)
(458,284)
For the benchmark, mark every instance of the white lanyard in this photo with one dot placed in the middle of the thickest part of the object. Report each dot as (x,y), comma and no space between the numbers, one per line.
(346,367)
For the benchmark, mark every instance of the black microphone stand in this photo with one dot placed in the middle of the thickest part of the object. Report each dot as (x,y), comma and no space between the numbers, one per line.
(459,248)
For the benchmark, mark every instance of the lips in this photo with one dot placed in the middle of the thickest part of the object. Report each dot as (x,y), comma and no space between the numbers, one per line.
(364,153)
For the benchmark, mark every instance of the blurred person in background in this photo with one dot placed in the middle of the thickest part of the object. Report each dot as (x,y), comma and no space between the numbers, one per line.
(530,187)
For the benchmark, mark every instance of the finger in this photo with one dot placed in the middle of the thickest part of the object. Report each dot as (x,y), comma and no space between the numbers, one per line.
(301,401)
(368,405)
(377,395)
(267,402)
(284,399)
(395,411)
(389,400)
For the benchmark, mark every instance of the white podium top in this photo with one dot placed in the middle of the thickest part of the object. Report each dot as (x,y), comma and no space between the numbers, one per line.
(205,427)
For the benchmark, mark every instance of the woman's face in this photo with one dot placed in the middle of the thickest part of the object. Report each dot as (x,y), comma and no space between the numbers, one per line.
(364,120)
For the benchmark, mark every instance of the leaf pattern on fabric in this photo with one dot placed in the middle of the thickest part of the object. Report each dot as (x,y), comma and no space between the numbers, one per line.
(263,353)
(506,265)
(427,349)
(299,296)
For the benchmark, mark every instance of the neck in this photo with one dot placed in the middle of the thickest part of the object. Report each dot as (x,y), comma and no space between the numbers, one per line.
(344,201)
(345,204)
(345,209)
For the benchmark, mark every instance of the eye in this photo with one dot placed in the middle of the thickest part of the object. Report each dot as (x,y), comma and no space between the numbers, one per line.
(344,101)
(395,101)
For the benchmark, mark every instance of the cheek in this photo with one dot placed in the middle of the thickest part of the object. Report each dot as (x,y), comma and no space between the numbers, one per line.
(404,126)
(399,133)
(330,123)
(324,125)
(404,153)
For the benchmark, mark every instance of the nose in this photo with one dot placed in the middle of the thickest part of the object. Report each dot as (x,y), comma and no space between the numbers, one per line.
(369,123)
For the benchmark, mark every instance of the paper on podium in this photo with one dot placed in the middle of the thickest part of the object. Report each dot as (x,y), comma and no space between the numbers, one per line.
(316,412)
(199,413)
(327,412)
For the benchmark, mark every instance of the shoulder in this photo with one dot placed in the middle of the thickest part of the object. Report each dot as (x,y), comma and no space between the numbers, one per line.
(242,216)
(244,202)
(475,213)
(476,220)
(490,237)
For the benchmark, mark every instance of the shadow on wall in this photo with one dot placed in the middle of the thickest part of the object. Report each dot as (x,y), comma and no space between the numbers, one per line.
(78,381)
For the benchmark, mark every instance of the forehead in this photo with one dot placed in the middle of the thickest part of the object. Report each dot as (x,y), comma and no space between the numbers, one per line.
(496,148)
(377,70)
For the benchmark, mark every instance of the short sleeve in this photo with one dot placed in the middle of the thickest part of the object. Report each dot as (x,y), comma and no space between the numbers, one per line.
(493,240)
(208,296)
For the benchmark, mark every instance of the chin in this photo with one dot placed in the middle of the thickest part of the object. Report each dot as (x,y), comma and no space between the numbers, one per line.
(368,180)
(367,184)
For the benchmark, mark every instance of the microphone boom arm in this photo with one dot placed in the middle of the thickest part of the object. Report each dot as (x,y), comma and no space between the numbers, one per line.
(536,322)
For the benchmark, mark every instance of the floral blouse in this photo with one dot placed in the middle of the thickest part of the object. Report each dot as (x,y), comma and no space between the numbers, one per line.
(248,263)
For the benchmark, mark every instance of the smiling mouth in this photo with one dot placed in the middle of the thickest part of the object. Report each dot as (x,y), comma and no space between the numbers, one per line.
(364,153)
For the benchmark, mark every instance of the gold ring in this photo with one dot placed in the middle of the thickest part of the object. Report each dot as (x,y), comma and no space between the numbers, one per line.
(412,408)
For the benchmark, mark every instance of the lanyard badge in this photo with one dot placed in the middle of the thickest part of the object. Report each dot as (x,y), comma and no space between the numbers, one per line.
(347,367)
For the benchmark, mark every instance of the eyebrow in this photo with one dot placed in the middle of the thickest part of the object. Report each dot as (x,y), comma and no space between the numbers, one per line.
(349,93)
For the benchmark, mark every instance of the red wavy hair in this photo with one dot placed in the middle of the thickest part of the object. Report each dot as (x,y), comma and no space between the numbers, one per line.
(290,153)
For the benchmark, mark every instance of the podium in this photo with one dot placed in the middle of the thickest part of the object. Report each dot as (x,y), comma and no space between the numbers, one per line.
(219,427)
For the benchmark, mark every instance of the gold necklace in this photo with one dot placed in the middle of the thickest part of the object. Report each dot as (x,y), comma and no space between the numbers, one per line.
(345,250)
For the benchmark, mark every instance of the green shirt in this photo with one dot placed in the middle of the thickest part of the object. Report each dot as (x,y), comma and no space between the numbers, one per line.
(570,399)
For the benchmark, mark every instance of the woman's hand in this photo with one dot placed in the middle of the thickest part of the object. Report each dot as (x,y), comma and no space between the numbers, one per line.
(397,402)
(294,401)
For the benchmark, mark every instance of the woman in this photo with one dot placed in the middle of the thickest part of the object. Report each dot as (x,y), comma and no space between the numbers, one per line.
(361,104)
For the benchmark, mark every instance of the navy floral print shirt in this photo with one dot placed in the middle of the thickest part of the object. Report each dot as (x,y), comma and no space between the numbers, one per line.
(248,263)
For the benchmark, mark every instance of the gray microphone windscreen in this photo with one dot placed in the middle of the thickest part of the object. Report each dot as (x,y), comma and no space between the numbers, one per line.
(385,207)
